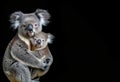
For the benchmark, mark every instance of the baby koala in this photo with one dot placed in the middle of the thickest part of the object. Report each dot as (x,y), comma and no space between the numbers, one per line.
(39,45)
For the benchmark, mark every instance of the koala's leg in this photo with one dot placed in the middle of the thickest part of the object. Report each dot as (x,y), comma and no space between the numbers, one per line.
(34,73)
(19,73)
(39,72)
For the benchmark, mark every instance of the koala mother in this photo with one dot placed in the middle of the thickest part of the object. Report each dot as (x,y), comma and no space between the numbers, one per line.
(18,57)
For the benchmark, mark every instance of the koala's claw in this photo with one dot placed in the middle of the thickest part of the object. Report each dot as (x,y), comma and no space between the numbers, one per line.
(47,61)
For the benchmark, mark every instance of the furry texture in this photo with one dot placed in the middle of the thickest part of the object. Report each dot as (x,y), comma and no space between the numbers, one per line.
(18,57)
(42,15)
(15,19)
(50,38)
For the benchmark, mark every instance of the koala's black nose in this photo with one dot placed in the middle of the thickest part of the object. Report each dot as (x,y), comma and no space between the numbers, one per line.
(29,27)
(39,41)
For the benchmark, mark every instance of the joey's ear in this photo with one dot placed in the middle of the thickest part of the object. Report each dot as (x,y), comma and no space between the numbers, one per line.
(43,16)
(50,38)
(15,19)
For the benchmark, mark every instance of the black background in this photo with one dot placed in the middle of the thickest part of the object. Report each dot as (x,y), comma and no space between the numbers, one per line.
(86,38)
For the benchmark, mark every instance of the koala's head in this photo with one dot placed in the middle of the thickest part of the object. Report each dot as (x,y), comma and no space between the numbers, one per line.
(29,24)
(41,40)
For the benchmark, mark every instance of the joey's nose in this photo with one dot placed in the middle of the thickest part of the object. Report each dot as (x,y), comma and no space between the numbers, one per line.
(39,41)
(29,27)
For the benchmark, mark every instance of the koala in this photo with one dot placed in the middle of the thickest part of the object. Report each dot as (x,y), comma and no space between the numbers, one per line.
(40,45)
(18,57)
(41,40)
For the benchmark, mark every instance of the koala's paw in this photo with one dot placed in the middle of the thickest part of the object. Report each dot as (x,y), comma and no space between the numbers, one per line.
(46,63)
(47,60)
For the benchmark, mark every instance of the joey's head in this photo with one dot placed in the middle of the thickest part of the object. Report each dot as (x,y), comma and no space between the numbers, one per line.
(29,24)
(41,40)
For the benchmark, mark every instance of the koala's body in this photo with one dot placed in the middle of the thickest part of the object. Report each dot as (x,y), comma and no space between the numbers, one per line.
(18,57)
(40,46)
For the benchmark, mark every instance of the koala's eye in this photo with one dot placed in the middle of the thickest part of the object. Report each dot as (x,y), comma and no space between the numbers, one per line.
(35,39)
(36,24)
(43,40)
(24,25)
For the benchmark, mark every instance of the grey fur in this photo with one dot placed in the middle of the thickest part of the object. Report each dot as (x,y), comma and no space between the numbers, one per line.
(25,56)
(18,59)
(43,14)
(11,64)
(16,17)
(43,53)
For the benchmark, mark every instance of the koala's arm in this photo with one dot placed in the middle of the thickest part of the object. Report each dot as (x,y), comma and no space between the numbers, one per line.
(25,56)
(48,55)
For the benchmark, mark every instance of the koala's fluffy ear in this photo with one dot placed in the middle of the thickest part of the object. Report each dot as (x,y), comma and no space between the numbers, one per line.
(15,19)
(50,38)
(43,16)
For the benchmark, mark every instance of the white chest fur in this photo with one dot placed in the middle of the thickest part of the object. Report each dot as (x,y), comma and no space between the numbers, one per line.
(25,40)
